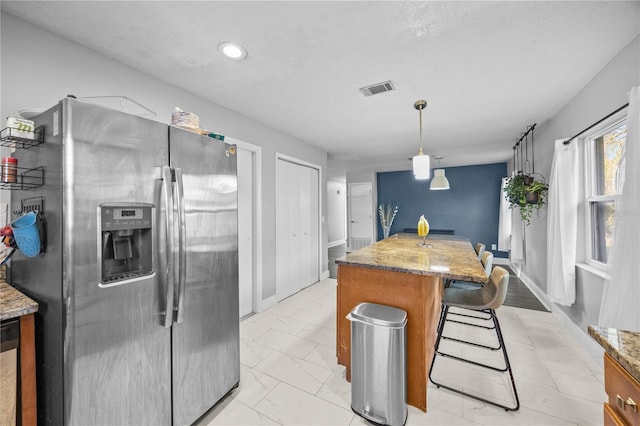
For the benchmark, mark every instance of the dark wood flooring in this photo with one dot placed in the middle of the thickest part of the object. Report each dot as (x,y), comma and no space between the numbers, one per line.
(519,295)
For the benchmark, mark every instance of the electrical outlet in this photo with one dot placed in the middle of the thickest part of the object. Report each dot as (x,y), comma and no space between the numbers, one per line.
(494,247)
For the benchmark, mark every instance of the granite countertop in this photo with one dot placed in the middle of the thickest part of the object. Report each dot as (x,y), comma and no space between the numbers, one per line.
(445,256)
(14,304)
(623,346)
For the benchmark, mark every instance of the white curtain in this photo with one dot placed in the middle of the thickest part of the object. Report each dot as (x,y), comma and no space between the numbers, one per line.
(504,220)
(562,224)
(620,307)
(516,245)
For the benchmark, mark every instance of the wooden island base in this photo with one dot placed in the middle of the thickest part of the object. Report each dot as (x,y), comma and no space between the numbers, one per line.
(418,295)
(404,272)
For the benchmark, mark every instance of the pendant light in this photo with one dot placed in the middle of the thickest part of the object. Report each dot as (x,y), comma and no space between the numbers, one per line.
(439,181)
(420,161)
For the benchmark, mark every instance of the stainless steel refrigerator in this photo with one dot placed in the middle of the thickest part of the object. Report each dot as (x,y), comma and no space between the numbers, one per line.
(138,284)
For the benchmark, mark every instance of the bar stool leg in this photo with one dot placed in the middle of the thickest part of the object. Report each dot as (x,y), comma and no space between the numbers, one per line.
(506,360)
(507,367)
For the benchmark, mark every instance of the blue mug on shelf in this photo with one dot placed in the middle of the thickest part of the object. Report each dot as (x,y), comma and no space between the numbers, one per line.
(27,234)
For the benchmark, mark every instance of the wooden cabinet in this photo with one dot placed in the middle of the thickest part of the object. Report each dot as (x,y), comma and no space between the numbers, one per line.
(611,417)
(624,394)
(14,304)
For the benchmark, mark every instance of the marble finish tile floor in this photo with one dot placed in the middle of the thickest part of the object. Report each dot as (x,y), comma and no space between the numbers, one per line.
(289,374)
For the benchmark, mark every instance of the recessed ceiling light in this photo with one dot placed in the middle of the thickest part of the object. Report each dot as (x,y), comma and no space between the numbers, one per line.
(232,50)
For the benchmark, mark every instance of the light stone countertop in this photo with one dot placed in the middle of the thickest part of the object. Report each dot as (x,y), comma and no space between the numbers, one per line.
(445,256)
(14,304)
(623,346)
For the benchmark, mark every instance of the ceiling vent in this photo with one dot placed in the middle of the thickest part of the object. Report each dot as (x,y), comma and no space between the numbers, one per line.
(375,89)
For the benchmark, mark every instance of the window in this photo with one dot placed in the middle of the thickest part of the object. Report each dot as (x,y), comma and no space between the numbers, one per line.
(604,151)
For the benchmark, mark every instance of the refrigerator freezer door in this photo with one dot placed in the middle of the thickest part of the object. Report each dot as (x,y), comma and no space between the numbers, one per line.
(41,277)
(117,353)
(206,358)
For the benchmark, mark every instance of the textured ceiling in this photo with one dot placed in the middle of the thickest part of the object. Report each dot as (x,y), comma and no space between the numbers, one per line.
(487,69)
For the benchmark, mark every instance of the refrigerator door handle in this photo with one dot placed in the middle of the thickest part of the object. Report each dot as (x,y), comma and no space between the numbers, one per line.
(167,188)
(182,247)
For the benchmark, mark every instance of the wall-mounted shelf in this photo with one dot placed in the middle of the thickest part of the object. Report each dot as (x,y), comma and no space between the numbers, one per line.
(13,138)
(26,179)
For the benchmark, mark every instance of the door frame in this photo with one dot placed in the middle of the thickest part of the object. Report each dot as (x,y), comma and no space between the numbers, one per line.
(257,303)
(373,230)
(294,160)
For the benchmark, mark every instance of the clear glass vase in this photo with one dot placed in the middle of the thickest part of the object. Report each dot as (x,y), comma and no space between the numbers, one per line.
(385,231)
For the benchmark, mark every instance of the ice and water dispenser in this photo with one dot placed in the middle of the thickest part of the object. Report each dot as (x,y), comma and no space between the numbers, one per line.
(125,252)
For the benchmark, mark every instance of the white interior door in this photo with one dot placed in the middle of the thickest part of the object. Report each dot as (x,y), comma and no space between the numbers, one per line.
(306,262)
(294,282)
(298,227)
(245,230)
(285,231)
(360,215)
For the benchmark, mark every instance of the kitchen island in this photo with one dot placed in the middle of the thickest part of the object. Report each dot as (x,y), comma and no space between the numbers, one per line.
(400,272)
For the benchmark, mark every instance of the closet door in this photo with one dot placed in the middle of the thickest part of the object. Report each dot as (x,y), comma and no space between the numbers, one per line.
(295,229)
(305,226)
(283,231)
(297,221)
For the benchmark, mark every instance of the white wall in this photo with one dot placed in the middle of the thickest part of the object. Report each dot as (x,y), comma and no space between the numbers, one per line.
(605,93)
(336,211)
(39,68)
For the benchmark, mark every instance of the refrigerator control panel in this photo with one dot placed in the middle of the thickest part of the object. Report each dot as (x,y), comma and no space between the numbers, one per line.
(125,243)
(119,218)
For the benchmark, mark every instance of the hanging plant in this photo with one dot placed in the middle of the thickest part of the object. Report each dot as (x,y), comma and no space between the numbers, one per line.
(527,194)
(522,190)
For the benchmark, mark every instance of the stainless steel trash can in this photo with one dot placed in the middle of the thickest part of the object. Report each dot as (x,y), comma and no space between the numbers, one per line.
(378,363)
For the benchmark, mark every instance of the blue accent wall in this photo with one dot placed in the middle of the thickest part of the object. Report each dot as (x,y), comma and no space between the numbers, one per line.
(471,207)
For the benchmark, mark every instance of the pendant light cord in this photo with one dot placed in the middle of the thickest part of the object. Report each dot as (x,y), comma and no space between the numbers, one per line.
(420,105)
(420,130)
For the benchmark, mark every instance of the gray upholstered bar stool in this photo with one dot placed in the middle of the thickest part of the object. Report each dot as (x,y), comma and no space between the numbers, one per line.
(486,299)
(487,263)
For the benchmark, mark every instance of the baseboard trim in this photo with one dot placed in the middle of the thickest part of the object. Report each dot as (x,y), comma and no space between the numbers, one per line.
(267,303)
(501,261)
(582,336)
(336,243)
(324,275)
